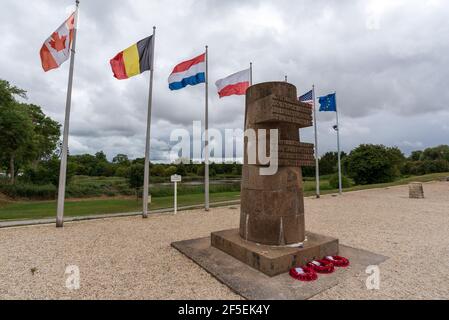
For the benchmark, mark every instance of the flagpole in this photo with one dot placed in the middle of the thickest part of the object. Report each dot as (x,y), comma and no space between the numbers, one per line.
(65,140)
(146,182)
(206,147)
(340,184)
(250,73)
(317,165)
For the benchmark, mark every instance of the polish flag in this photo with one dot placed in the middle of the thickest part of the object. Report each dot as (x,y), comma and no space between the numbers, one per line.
(56,49)
(236,84)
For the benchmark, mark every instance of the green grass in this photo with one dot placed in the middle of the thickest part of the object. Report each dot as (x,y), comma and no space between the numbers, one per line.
(309,186)
(47,209)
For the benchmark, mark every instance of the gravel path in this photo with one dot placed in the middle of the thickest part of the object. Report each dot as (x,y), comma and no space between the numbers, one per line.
(131,258)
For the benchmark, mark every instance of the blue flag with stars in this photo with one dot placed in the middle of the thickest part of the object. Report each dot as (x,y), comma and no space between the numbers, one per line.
(328,103)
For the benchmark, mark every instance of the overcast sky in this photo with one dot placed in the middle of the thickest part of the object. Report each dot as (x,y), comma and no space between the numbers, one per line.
(387,60)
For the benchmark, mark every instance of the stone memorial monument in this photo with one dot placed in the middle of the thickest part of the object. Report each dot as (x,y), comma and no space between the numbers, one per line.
(272,237)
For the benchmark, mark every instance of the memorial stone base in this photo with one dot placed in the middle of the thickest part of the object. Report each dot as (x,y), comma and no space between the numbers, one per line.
(274,260)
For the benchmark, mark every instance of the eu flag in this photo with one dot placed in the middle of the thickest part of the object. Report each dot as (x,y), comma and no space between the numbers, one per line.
(328,103)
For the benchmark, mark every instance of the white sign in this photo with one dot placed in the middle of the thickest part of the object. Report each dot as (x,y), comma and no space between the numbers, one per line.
(176,178)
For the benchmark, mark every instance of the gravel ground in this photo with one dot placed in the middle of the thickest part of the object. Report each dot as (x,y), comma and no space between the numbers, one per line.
(131,258)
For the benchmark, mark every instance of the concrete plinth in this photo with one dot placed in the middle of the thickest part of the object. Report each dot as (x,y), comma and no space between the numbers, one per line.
(270,260)
(254,285)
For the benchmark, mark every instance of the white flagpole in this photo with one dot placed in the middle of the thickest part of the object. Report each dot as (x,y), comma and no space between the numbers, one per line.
(317,165)
(340,185)
(146,182)
(65,141)
(206,145)
(250,84)
(250,73)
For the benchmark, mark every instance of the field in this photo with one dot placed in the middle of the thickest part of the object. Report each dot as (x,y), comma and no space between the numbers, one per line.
(80,208)
(190,195)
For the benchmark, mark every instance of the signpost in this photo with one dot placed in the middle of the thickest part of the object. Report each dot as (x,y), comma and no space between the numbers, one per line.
(175,179)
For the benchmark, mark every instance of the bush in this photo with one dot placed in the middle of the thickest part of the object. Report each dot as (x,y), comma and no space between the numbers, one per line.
(168,191)
(170,171)
(46,172)
(329,162)
(122,172)
(370,164)
(29,191)
(425,167)
(334,182)
(84,190)
(136,176)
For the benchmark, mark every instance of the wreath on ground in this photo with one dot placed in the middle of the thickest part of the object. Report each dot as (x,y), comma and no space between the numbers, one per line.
(304,274)
(323,266)
(337,261)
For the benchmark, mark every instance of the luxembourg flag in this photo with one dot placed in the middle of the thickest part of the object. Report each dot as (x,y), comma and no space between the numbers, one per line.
(236,83)
(191,72)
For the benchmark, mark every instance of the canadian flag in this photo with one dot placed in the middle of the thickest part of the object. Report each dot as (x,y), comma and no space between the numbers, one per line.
(56,49)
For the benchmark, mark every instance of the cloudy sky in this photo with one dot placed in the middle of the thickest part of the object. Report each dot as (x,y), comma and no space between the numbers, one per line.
(388,61)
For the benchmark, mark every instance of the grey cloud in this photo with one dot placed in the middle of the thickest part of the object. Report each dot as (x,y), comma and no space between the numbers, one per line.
(387,61)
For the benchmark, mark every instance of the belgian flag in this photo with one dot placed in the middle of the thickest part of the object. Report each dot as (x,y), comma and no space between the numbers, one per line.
(134,60)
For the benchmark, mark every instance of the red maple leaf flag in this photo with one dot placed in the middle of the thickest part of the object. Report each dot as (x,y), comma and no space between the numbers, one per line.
(57,42)
(56,49)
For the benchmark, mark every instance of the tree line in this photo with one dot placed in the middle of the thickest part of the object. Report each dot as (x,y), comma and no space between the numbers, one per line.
(370,164)
(27,135)
(29,148)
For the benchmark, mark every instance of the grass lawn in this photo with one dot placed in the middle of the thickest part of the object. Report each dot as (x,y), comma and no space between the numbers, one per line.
(47,209)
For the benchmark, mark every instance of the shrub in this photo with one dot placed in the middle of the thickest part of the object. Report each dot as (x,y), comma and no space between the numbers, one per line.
(29,191)
(136,176)
(369,164)
(168,191)
(170,171)
(122,172)
(436,166)
(46,172)
(84,190)
(334,182)
(329,162)
(425,167)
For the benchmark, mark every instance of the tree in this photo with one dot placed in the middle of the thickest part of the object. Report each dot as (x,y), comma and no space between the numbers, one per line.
(26,134)
(158,170)
(181,169)
(46,132)
(436,153)
(168,172)
(135,178)
(121,159)
(101,156)
(416,155)
(329,163)
(200,170)
(47,172)
(12,133)
(8,93)
(16,137)
(369,164)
